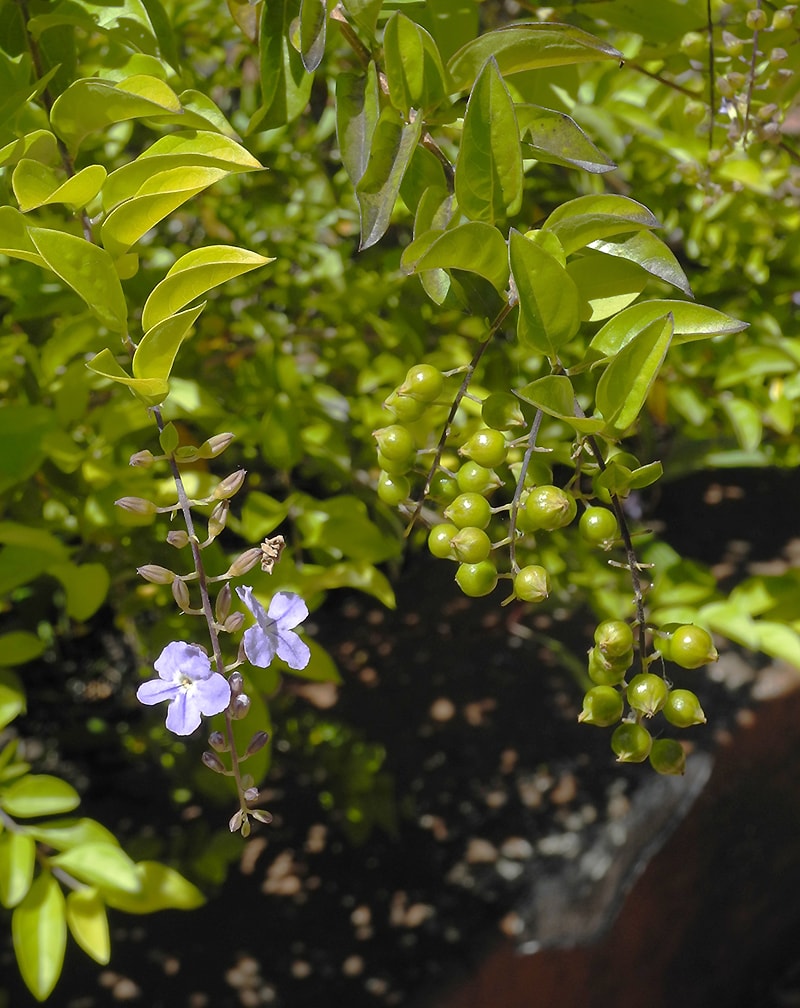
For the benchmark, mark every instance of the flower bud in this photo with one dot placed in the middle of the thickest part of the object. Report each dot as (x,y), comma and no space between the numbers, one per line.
(240,705)
(155,574)
(137,505)
(244,562)
(223,603)
(250,794)
(178,538)
(262,815)
(215,445)
(235,821)
(143,459)
(218,741)
(230,485)
(236,683)
(213,762)
(181,595)
(257,742)
(234,622)
(218,519)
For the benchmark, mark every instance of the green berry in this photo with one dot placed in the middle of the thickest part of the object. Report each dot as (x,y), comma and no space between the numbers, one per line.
(683,709)
(443,488)
(602,706)
(631,742)
(614,638)
(471,545)
(667,756)
(477,579)
(393,490)
(423,382)
(691,647)
(756,20)
(405,407)
(469,509)
(474,478)
(781,20)
(599,526)
(501,410)
(487,447)
(440,538)
(605,672)
(532,584)
(395,442)
(395,467)
(694,44)
(647,693)
(550,508)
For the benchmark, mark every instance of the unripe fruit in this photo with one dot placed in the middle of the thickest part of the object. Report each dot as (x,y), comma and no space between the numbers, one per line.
(602,706)
(781,20)
(668,757)
(647,693)
(395,442)
(631,743)
(474,478)
(395,467)
(393,489)
(756,20)
(469,509)
(477,579)
(439,541)
(443,488)
(694,44)
(471,545)
(532,584)
(423,382)
(605,672)
(405,407)
(549,508)
(691,647)
(487,447)
(599,526)
(614,638)
(501,410)
(683,709)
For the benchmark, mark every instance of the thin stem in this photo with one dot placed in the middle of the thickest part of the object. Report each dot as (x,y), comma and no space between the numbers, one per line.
(526,461)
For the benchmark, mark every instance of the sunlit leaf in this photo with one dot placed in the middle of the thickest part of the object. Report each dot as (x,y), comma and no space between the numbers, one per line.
(549,304)
(648,251)
(605,285)
(475,247)
(88,924)
(17,861)
(12,695)
(555,138)
(160,888)
(691,322)
(414,70)
(584,220)
(39,931)
(38,795)
(554,395)
(103,865)
(36,185)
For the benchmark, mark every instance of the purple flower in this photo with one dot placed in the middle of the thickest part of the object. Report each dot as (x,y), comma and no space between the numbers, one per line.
(186,680)
(273,632)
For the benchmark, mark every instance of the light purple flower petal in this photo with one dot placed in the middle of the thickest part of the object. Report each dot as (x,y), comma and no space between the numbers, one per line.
(274,632)
(183,714)
(295,652)
(213,694)
(288,610)
(258,646)
(187,682)
(179,660)
(155,690)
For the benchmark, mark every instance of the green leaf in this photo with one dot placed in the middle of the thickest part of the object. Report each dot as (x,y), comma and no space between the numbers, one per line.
(12,695)
(476,247)
(285,82)
(488,180)
(434,212)
(584,220)
(18,647)
(393,144)
(194,274)
(154,357)
(341,527)
(650,252)
(364,13)
(526,46)
(66,833)
(357,112)
(548,298)
(605,285)
(313,22)
(17,860)
(691,322)
(38,795)
(555,396)
(88,270)
(151,391)
(745,418)
(86,587)
(414,71)
(39,931)
(625,383)
(36,185)
(40,145)
(321,667)
(88,924)
(555,138)
(160,888)
(14,238)
(279,433)
(104,865)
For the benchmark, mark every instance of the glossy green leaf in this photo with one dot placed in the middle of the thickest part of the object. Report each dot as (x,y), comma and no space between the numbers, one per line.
(86,587)
(151,391)
(17,861)
(40,145)
(549,304)
(92,104)
(156,199)
(313,23)
(586,219)
(488,180)
(414,70)
(155,355)
(357,112)
(555,396)
(285,82)
(393,144)
(12,695)
(103,865)
(39,932)
(342,526)
(555,138)
(38,795)
(27,551)
(476,247)
(246,15)
(18,647)
(88,924)
(160,888)
(88,270)
(434,212)
(527,46)
(194,274)
(15,241)
(625,383)
(364,13)
(648,251)
(745,419)
(691,322)
(605,285)
(321,667)
(63,834)
(36,185)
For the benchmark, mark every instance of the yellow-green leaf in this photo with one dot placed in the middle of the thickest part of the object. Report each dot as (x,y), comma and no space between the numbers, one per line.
(38,795)
(36,185)
(40,145)
(160,888)
(155,355)
(104,865)
(39,932)
(88,924)
(151,391)
(17,860)
(18,647)
(12,695)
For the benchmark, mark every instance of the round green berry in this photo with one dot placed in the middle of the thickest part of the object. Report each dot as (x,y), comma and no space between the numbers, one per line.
(694,44)
(501,410)
(608,672)
(549,508)
(683,709)
(599,526)
(440,539)
(469,509)
(631,742)
(474,478)
(395,467)
(647,693)
(423,382)
(614,638)
(782,19)
(667,756)
(487,447)
(477,579)
(602,706)
(395,442)
(471,545)
(756,20)
(532,584)
(443,488)
(393,490)
(405,407)
(691,647)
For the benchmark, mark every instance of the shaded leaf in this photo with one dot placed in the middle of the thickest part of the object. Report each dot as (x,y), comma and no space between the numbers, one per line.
(39,931)
(364,13)
(555,396)
(12,695)
(548,299)
(555,138)
(414,69)
(18,647)
(285,82)
(357,112)
(648,251)
(313,22)
(86,587)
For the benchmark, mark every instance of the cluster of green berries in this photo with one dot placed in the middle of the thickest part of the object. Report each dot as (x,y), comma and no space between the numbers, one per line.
(646,693)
